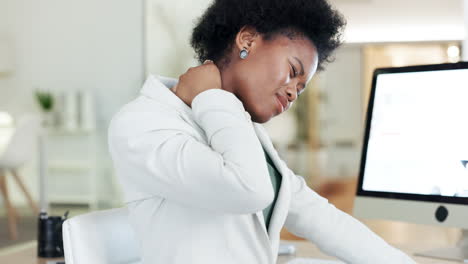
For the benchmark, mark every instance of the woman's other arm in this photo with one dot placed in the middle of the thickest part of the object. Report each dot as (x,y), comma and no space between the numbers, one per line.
(336,233)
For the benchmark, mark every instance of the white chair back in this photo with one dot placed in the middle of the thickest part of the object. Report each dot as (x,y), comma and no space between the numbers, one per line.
(103,237)
(22,144)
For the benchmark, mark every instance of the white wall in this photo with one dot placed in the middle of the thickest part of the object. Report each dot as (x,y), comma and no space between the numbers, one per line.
(73,45)
(341,83)
(66,44)
(402,20)
(340,112)
(169,26)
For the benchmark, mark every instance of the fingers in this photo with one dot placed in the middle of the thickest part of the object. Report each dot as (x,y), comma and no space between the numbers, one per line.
(210,66)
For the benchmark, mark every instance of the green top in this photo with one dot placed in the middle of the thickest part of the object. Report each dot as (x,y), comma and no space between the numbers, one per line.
(275,177)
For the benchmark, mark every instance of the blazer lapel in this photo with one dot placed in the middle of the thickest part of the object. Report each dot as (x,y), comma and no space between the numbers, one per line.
(281,208)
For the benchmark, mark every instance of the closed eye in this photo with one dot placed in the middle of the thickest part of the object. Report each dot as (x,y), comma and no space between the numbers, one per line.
(293,75)
(294,71)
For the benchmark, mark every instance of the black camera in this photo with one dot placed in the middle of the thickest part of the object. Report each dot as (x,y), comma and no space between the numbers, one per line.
(49,236)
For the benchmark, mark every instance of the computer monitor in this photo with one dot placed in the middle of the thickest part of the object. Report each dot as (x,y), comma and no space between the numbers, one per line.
(415,149)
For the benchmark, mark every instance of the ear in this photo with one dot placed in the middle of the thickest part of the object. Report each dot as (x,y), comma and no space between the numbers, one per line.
(246,38)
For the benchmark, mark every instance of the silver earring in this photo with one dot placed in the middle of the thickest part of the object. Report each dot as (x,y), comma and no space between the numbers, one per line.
(243,54)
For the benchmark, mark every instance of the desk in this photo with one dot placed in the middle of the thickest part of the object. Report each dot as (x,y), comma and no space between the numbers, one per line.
(25,253)
(408,237)
(308,250)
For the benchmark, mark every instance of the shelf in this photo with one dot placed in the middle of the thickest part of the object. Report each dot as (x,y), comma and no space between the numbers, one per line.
(72,199)
(65,132)
(70,166)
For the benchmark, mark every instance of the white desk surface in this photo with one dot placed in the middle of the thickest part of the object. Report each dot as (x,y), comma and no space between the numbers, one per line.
(306,249)
(408,237)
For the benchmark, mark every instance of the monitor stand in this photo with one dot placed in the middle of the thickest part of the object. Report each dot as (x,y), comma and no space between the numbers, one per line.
(457,253)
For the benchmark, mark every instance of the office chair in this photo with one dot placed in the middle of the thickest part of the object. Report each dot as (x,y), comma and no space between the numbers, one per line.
(102,237)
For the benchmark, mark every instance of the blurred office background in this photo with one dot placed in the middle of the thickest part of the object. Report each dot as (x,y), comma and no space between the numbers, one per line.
(75,63)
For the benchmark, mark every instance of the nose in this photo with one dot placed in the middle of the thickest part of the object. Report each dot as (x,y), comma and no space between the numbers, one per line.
(292,93)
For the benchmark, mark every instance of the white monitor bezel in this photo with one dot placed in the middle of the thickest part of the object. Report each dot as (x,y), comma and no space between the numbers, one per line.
(415,208)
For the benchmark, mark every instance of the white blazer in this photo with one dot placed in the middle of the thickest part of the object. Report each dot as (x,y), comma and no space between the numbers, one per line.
(195,181)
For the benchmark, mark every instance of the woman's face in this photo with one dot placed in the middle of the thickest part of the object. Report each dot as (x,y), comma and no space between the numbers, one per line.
(269,80)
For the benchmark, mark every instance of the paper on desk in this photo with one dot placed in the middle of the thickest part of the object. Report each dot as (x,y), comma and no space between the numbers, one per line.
(313,261)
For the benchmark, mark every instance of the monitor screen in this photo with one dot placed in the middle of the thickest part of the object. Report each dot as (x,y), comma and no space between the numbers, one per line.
(417,138)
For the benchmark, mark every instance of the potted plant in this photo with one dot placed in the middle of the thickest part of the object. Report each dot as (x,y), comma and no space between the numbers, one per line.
(46,102)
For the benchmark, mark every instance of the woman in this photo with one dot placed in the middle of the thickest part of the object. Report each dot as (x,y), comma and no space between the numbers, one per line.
(202,181)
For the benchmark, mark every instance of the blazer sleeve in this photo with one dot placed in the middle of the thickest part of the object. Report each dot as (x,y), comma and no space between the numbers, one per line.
(336,233)
(228,175)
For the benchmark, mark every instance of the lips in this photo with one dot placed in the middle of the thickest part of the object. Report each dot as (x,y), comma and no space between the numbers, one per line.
(283,101)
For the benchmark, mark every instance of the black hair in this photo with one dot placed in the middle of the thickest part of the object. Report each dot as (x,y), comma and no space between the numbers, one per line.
(215,31)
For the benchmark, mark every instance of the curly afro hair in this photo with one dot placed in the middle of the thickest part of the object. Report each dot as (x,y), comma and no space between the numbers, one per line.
(215,31)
